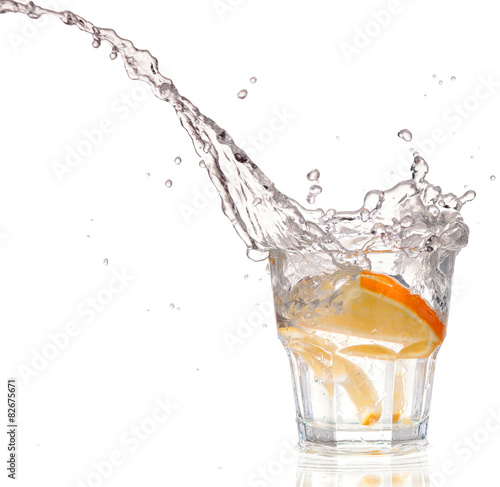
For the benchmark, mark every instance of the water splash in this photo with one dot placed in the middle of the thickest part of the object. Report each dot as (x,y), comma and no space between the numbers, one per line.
(275,221)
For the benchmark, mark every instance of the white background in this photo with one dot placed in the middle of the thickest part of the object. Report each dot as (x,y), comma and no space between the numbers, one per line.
(232,418)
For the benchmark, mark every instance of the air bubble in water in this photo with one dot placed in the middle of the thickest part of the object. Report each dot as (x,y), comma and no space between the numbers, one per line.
(313,175)
(168,183)
(407,222)
(253,80)
(177,160)
(405,134)
(242,94)
(105,262)
(493,177)
(240,157)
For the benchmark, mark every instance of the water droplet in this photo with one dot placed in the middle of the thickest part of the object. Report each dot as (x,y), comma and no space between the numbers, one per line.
(246,276)
(177,160)
(313,175)
(177,309)
(405,134)
(242,94)
(253,80)
(147,311)
(113,54)
(434,76)
(148,174)
(419,169)
(88,236)
(168,183)
(472,157)
(257,201)
(440,81)
(96,42)
(105,262)
(264,325)
(314,191)
(316,379)
(202,164)
(337,137)
(453,78)
(172,306)
(493,177)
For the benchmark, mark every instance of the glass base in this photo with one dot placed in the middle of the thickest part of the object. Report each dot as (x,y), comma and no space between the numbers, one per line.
(328,440)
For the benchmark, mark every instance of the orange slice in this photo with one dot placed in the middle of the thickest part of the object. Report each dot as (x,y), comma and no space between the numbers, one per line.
(376,307)
(332,370)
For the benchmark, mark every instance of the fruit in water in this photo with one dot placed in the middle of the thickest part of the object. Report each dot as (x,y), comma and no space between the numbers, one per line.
(371,307)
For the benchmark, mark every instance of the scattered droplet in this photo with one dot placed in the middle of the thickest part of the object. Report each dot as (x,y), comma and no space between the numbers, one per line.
(493,177)
(147,311)
(337,137)
(177,309)
(242,94)
(105,262)
(88,236)
(246,276)
(202,164)
(434,76)
(440,81)
(264,325)
(313,175)
(177,160)
(168,183)
(253,80)
(148,174)
(314,191)
(405,134)
(172,306)
(453,78)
